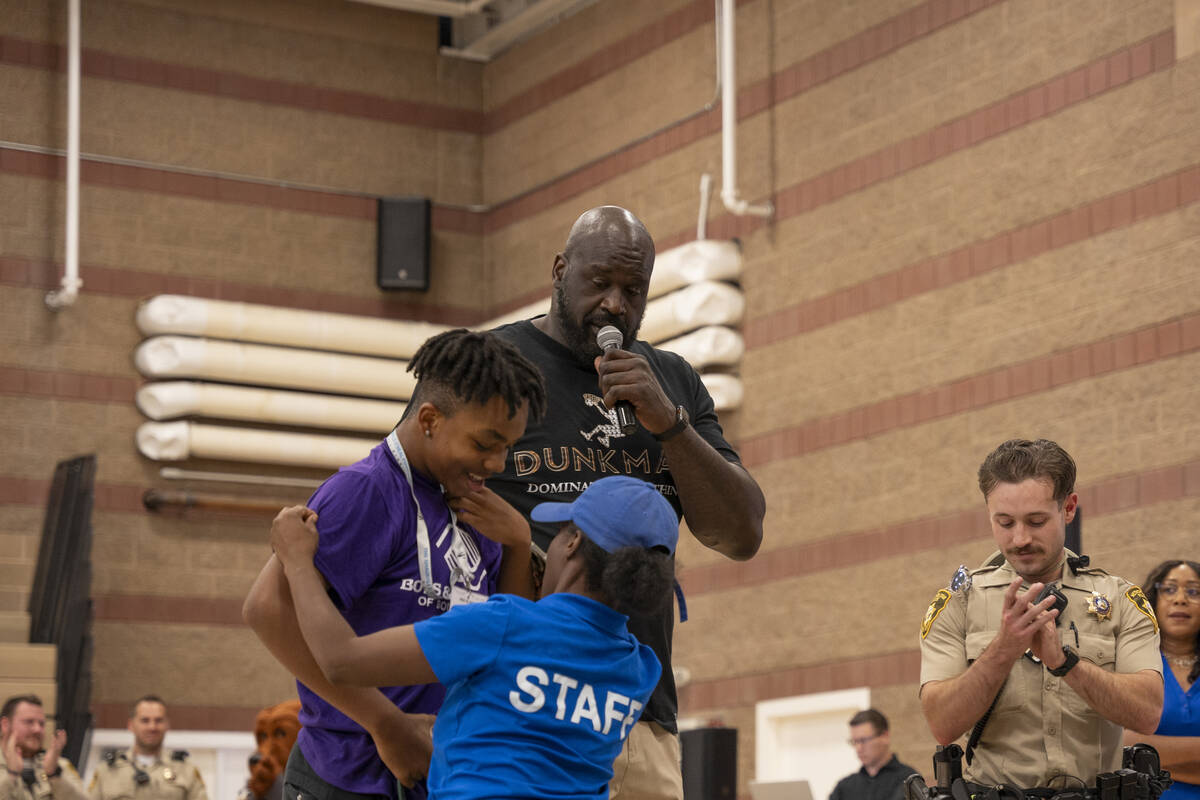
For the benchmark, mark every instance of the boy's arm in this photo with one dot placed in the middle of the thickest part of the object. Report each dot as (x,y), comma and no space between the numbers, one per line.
(404,741)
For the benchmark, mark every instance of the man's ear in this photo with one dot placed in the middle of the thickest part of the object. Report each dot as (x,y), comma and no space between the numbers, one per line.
(559,270)
(5,727)
(1069,507)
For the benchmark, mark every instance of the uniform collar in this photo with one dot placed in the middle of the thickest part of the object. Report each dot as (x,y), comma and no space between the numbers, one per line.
(1003,574)
(131,756)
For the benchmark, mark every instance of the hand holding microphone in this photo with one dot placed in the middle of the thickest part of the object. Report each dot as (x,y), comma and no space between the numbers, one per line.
(609,338)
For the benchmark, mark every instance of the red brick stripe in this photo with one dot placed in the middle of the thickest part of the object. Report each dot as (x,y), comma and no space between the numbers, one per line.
(883,670)
(846,549)
(113,497)
(619,54)
(183,717)
(237,86)
(1117,210)
(1162,340)
(134,283)
(1154,54)
(222,190)
(173,610)
(67,385)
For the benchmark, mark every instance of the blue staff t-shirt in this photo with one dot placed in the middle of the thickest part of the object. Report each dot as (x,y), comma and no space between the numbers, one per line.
(539,697)
(367,552)
(1180,717)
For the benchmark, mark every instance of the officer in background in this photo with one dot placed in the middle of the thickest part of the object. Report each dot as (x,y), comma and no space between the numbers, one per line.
(1044,688)
(34,773)
(141,772)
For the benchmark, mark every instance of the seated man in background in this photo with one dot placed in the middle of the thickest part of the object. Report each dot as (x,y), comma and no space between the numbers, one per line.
(33,770)
(882,775)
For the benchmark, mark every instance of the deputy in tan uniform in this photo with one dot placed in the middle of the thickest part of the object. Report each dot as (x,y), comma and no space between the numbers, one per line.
(1064,682)
(141,773)
(33,773)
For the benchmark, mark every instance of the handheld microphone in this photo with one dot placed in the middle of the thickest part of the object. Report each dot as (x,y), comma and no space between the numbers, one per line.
(609,338)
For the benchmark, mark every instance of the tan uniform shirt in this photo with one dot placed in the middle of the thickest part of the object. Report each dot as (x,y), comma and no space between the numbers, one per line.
(1041,733)
(173,779)
(66,786)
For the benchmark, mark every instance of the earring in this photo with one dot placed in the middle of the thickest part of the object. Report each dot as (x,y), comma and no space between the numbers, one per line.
(428,434)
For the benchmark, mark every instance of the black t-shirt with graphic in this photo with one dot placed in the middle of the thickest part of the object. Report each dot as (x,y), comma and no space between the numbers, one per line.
(578,441)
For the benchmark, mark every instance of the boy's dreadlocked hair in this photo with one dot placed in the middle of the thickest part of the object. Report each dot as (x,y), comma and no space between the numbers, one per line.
(461,366)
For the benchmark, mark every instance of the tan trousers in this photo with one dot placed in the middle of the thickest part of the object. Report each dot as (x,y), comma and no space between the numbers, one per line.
(648,767)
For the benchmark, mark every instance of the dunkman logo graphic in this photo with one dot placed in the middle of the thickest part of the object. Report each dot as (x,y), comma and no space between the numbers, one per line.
(609,429)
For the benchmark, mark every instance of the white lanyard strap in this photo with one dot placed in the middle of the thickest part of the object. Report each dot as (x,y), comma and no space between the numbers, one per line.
(424,551)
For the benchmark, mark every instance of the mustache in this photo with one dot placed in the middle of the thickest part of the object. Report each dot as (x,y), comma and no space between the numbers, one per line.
(1028,550)
(600,320)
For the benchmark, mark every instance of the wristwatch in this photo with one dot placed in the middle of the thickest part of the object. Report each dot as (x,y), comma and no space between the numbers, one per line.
(1072,658)
(682,420)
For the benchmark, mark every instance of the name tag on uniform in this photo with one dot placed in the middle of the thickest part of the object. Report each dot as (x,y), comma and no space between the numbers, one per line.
(461,596)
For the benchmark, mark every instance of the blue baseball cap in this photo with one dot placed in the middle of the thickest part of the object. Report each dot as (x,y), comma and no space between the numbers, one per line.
(618,511)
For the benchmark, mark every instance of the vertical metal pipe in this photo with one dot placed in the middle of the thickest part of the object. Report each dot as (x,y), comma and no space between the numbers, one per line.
(71,282)
(728,57)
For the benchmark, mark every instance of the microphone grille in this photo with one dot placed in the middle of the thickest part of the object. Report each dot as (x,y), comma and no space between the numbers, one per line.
(609,336)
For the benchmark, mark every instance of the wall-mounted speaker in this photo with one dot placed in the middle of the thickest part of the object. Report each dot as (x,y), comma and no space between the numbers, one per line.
(709,758)
(402,255)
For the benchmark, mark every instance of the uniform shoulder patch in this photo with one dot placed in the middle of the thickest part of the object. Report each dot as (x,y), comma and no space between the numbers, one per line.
(1141,603)
(179,755)
(939,602)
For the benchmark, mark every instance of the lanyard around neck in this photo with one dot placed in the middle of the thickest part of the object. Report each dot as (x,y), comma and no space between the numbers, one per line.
(424,551)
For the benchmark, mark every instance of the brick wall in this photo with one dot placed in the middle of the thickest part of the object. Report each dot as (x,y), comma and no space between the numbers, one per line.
(987,226)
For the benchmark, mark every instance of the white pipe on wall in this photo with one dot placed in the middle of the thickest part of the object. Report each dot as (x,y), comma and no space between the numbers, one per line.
(177,441)
(728,56)
(264,365)
(161,400)
(71,282)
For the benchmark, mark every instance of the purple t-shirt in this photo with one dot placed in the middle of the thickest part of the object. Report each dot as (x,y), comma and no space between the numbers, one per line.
(368,555)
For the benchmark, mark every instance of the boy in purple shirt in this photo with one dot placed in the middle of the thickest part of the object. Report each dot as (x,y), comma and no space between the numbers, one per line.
(406,533)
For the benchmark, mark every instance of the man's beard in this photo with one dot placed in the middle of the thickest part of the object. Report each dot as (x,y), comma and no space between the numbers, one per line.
(579,337)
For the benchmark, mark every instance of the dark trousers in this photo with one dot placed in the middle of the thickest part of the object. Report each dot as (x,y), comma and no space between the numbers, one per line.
(301,782)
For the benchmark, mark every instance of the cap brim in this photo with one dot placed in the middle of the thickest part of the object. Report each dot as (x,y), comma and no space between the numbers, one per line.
(551,512)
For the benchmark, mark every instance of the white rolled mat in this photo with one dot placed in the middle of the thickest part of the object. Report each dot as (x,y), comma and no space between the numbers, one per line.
(162,400)
(265,365)
(712,345)
(177,441)
(251,322)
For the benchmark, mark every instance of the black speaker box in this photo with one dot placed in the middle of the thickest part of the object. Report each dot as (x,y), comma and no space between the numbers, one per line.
(709,763)
(402,255)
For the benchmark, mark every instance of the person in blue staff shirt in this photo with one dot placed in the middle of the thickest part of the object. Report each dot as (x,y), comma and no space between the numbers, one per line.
(539,696)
